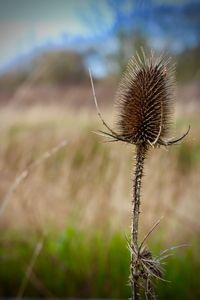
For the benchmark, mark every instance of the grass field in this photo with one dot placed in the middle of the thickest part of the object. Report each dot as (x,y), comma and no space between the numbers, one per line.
(65,206)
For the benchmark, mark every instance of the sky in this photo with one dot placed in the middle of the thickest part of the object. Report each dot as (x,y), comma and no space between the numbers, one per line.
(27,26)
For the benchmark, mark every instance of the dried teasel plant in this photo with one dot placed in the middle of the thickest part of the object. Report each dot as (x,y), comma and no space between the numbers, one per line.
(144,104)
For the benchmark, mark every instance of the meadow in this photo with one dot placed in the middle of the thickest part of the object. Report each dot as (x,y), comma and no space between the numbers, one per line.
(65,206)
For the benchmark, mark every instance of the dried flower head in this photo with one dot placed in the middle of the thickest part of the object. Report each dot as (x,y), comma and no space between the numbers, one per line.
(145,100)
(144,103)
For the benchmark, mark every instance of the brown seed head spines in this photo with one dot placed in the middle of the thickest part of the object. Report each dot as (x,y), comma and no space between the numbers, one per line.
(144,100)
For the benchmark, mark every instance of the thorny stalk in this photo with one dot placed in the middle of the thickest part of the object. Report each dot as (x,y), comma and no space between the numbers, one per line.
(140,157)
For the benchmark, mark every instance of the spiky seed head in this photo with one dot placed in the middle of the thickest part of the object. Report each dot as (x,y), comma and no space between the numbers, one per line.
(145,100)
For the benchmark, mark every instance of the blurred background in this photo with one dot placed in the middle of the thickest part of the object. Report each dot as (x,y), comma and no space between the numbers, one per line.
(65,195)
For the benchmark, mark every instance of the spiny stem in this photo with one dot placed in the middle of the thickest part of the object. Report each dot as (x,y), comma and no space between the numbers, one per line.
(137,275)
(140,157)
(135,272)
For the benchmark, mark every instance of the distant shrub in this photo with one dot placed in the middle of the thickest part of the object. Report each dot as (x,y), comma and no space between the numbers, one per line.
(59,67)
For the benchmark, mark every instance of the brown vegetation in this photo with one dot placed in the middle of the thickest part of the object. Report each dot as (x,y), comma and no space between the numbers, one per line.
(87,182)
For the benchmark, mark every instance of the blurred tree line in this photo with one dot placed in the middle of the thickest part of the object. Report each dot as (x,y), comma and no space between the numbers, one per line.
(53,67)
(62,67)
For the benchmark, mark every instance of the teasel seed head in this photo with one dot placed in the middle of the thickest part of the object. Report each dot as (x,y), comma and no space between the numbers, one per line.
(145,100)
(144,103)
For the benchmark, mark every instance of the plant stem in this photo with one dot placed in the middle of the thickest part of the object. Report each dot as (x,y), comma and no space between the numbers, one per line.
(135,272)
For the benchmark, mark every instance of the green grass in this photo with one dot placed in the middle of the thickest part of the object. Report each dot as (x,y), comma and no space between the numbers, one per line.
(92,264)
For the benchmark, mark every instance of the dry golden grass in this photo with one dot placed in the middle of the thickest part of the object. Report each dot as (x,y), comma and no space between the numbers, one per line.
(87,182)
